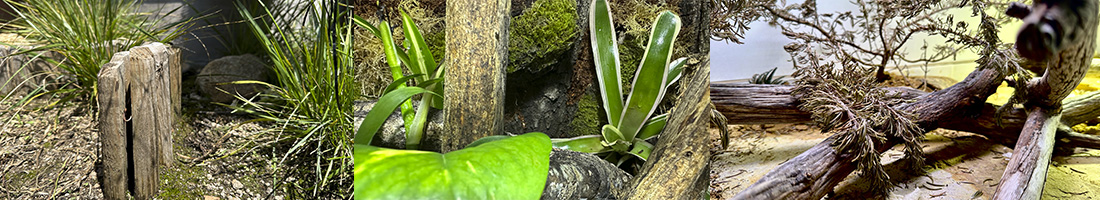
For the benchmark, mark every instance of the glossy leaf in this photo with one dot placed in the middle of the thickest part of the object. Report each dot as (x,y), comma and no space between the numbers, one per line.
(586,144)
(420,56)
(605,54)
(381,110)
(488,139)
(641,149)
(512,168)
(653,127)
(652,76)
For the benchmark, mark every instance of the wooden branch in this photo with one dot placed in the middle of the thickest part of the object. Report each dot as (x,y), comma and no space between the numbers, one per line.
(817,171)
(681,154)
(1026,172)
(477,45)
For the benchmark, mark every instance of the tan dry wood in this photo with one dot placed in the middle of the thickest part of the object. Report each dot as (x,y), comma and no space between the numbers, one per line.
(113,130)
(477,54)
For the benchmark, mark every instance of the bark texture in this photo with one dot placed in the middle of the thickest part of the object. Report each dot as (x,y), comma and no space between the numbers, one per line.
(477,54)
(137,119)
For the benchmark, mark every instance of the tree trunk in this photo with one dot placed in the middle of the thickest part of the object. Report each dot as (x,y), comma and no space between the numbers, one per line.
(477,54)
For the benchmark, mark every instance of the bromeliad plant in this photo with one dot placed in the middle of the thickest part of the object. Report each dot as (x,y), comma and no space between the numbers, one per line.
(426,73)
(629,122)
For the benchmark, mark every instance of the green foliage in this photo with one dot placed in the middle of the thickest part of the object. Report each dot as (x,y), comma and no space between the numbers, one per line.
(654,74)
(510,168)
(87,33)
(313,96)
(418,58)
(768,77)
(541,34)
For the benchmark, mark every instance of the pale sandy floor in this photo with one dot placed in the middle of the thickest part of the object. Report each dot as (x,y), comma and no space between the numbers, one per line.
(960,166)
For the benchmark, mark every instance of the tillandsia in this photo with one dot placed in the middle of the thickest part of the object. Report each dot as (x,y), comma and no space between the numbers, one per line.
(630,122)
(428,76)
(856,110)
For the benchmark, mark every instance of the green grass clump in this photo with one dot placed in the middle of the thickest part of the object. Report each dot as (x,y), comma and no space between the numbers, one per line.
(87,33)
(312,98)
(541,34)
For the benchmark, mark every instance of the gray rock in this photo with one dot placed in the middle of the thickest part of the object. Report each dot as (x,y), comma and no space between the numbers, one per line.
(392,133)
(219,73)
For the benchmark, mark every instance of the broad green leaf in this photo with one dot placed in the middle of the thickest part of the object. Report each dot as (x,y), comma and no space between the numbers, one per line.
(381,110)
(420,54)
(586,144)
(605,54)
(675,68)
(512,168)
(641,149)
(490,138)
(653,127)
(650,81)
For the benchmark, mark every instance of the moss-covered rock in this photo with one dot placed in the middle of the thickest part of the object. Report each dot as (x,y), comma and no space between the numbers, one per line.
(538,37)
(589,116)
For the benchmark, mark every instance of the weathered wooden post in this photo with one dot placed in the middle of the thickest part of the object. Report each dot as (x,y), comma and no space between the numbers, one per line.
(138,103)
(477,49)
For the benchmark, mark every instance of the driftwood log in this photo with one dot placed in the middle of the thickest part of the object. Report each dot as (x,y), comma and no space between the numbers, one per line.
(735,99)
(962,107)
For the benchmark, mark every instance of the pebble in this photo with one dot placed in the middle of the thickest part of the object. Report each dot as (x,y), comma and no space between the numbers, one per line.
(237,184)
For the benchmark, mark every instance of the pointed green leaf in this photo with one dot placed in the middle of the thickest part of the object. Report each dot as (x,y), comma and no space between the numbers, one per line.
(420,54)
(586,144)
(605,54)
(512,168)
(653,127)
(650,80)
(381,110)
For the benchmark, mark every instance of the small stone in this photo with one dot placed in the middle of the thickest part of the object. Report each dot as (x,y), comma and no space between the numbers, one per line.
(208,197)
(237,184)
(801,127)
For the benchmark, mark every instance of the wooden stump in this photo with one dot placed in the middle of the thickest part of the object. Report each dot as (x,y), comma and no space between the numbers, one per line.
(138,101)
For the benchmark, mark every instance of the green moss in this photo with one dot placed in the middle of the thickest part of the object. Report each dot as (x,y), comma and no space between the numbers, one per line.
(630,54)
(437,41)
(589,116)
(539,36)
